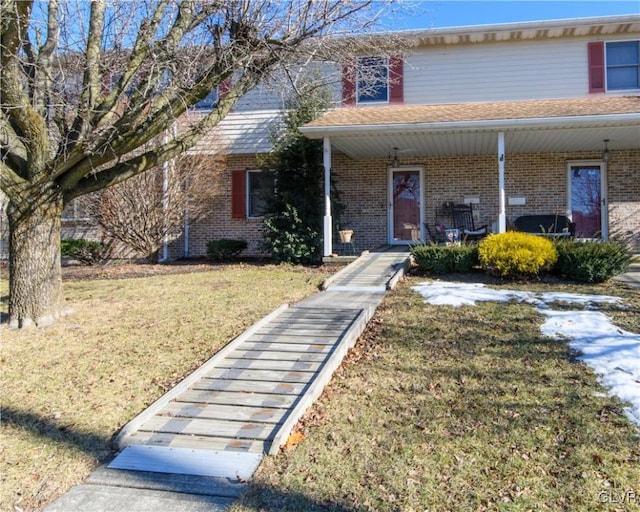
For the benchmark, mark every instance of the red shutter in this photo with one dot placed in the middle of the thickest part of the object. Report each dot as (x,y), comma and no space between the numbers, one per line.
(238,195)
(396,79)
(349,83)
(596,66)
(224,87)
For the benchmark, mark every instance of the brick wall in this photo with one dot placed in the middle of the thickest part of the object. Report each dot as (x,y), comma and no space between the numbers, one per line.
(540,178)
(363,184)
(218,222)
(624,197)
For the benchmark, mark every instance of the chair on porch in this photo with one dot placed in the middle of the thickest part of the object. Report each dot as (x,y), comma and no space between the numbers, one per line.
(436,233)
(462,216)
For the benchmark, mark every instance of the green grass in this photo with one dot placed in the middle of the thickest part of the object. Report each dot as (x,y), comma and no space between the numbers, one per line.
(67,389)
(457,409)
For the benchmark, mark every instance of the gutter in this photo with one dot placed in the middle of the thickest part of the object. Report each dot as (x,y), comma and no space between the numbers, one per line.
(591,21)
(318,132)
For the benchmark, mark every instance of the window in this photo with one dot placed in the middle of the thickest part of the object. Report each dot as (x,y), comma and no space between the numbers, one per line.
(260,186)
(209,102)
(373,80)
(623,65)
(79,209)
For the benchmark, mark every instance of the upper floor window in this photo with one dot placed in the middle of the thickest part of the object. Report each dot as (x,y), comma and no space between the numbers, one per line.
(373,80)
(209,102)
(260,187)
(623,65)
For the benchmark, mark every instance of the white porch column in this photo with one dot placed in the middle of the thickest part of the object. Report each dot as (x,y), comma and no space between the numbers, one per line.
(502,215)
(328,242)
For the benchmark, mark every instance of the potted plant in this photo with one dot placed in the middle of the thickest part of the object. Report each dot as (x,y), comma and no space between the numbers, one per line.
(345,235)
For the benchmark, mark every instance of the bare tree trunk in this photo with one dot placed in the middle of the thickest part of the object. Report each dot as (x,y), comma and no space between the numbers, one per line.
(35,285)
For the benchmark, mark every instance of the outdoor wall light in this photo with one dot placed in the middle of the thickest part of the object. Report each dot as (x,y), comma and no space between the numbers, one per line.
(395,163)
(605,153)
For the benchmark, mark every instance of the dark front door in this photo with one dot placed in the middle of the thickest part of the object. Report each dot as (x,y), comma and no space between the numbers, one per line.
(406,212)
(586,200)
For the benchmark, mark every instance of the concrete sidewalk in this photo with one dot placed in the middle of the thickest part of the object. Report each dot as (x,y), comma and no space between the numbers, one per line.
(195,447)
(632,276)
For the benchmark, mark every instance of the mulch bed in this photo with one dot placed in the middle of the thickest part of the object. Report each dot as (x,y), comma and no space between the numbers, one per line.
(125,270)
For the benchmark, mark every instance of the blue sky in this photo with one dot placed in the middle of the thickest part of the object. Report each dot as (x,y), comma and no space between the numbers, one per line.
(451,13)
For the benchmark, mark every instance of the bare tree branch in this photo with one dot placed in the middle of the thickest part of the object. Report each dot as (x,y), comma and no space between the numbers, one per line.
(149,209)
(25,121)
(89,91)
(91,83)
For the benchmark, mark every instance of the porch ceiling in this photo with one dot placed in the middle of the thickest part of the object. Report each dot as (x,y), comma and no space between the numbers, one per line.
(448,130)
(451,143)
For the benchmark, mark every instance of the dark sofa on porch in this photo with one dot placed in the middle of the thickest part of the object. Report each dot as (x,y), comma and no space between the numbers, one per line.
(549,225)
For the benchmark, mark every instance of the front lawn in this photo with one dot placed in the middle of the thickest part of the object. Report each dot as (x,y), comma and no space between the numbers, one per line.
(67,389)
(445,408)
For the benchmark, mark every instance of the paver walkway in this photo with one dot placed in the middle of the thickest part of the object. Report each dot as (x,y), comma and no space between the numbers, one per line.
(193,448)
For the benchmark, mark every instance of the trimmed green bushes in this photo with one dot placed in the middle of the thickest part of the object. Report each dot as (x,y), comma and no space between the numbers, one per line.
(444,259)
(225,249)
(591,262)
(87,252)
(515,255)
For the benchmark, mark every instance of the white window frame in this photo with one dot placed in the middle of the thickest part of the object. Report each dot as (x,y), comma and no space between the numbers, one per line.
(388,88)
(248,193)
(606,65)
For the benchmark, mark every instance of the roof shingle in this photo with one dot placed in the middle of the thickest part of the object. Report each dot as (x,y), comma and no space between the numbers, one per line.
(461,112)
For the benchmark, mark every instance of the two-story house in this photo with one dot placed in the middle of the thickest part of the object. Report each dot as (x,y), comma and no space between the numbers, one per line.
(514,119)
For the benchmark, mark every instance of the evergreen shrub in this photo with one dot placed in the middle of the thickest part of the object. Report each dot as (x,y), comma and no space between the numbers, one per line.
(591,262)
(290,238)
(516,255)
(445,259)
(225,249)
(87,252)
(293,217)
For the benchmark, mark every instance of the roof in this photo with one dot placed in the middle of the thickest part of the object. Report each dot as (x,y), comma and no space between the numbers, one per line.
(471,128)
(538,30)
(474,112)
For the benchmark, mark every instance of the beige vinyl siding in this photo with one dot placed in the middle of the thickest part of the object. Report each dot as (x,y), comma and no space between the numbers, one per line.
(247,133)
(272,94)
(497,72)
(263,97)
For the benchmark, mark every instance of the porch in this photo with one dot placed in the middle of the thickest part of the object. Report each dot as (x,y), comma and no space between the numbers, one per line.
(396,166)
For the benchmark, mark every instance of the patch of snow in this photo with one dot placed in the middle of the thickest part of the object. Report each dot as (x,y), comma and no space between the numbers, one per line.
(465,294)
(613,353)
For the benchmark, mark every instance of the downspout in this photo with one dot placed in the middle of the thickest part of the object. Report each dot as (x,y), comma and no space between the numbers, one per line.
(165,206)
(165,198)
(502,215)
(185,233)
(328,222)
